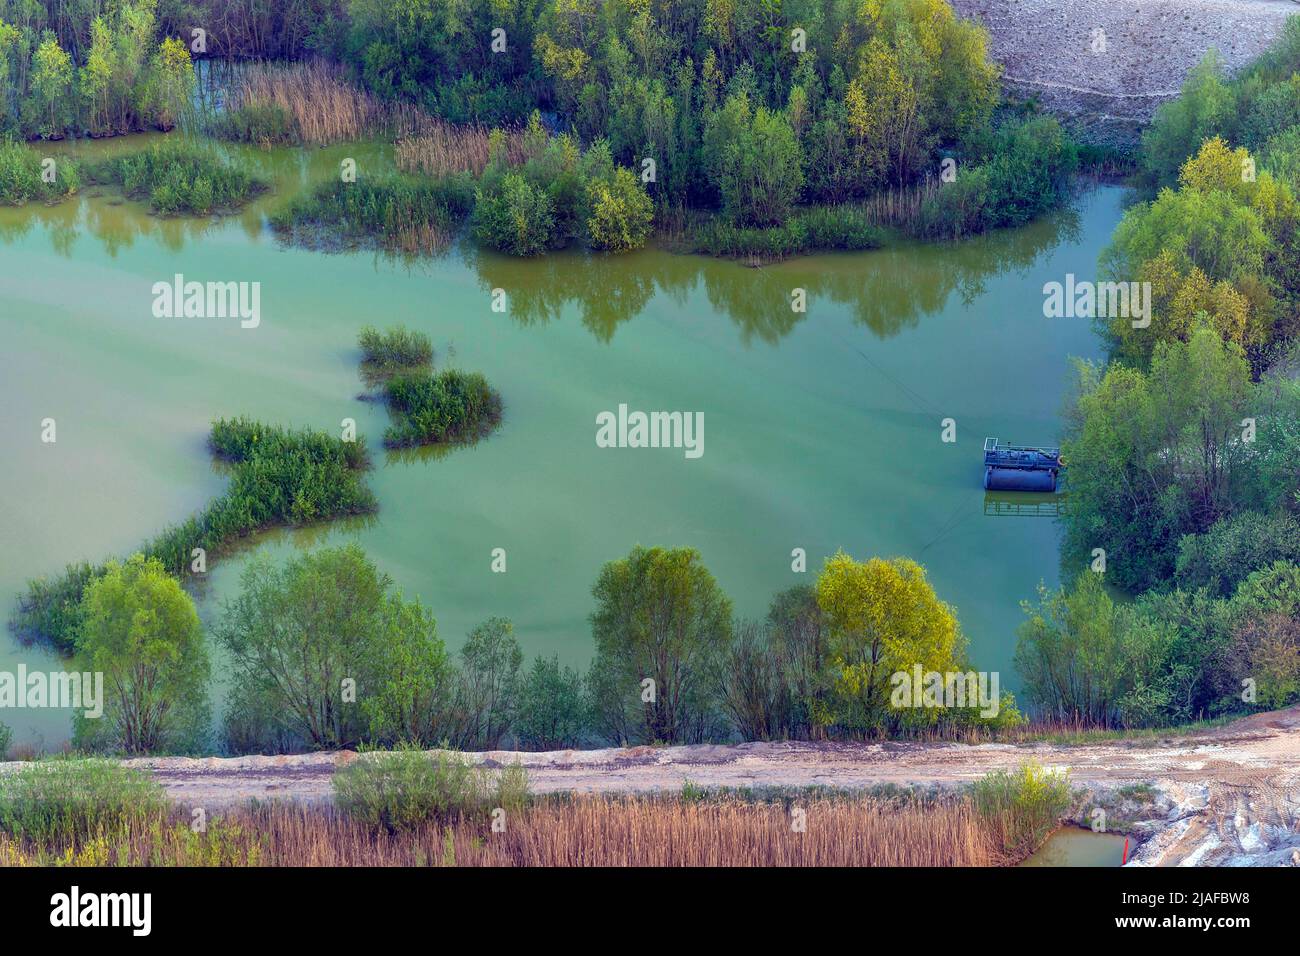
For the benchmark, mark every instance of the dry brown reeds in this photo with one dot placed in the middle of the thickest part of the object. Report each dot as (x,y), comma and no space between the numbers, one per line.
(582,831)
(323,107)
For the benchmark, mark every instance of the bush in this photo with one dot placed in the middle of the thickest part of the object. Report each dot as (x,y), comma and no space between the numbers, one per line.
(516,218)
(406,788)
(452,406)
(1022,807)
(181,177)
(621,213)
(820,228)
(6,738)
(1234,548)
(66,801)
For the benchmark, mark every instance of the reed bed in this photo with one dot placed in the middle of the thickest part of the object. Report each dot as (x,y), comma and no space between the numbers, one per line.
(443,148)
(314,103)
(582,831)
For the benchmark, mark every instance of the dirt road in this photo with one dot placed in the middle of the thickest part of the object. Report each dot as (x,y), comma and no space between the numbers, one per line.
(1230,795)
(1108,84)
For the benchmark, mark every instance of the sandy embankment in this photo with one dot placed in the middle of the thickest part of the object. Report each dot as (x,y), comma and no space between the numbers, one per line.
(1227,796)
(1046,48)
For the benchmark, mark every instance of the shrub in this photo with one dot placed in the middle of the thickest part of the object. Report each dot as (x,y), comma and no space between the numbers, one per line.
(1234,548)
(6,738)
(400,790)
(452,406)
(621,213)
(517,217)
(66,801)
(1022,807)
(488,688)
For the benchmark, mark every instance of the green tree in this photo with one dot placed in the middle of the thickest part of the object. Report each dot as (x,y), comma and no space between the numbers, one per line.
(141,631)
(552,711)
(883,617)
(321,648)
(50,106)
(661,620)
(755,162)
(489,685)
(621,213)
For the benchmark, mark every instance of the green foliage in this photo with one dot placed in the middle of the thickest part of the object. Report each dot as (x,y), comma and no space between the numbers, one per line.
(841,228)
(405,789)
(1155,456)
(1023,806)
(754,158)
(299,631)
(141,631)
(621,213)
(1203,109)
(1027,171)
(488,688)
(21,180)
(6,738)
(67,802)
(450,406)
(181,177)
(280,476)
(660,616)
(552,712)
(1235,547)
(516,218)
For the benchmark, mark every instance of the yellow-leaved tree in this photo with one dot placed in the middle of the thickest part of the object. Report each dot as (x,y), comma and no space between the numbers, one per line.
(883,617)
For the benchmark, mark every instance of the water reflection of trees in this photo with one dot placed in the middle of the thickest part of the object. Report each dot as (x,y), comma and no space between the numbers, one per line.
(887,291)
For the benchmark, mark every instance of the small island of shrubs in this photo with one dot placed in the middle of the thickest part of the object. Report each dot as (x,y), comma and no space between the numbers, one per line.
(181,177)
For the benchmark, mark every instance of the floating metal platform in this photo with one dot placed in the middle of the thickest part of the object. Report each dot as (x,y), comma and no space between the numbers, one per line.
(1021,467)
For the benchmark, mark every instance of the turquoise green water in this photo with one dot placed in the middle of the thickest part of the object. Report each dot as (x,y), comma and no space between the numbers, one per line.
(822,430)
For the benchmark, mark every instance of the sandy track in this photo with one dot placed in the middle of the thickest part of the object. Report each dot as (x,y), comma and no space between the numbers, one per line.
(1046,48)
(1227,795)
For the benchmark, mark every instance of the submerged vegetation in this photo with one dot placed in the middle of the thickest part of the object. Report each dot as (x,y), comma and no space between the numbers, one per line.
(181,177)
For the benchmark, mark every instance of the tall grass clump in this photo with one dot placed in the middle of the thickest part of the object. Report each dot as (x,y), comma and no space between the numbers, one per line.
(1022,807)
(396,212)
(384,354)
(451,406)
(279,476)
(178,176)
(21,180)
(60,801)
(402,789)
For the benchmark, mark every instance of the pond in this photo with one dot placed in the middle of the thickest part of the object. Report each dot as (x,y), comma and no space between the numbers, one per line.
(823,428)
(1074,846)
